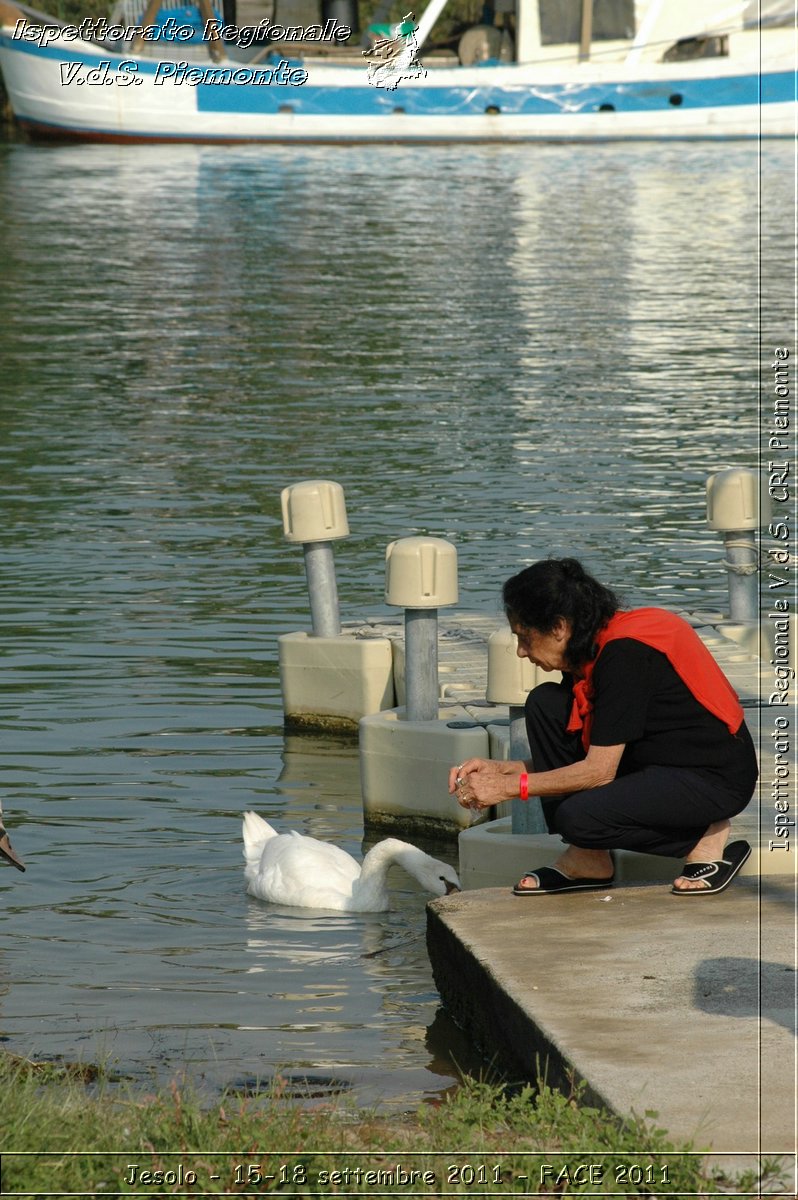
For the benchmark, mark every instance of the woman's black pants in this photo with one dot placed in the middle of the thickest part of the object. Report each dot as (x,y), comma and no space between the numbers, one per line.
(654,810)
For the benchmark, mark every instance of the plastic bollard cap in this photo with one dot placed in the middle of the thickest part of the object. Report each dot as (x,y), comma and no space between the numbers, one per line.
(510,678)
(314,511)
(737,499)
(421,572)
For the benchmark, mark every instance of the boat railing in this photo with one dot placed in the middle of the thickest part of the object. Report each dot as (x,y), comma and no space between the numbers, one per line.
(128,14)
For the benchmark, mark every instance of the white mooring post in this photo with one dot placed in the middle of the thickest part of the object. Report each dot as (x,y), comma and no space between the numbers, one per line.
(329,679)
(510,679)
(421,577)
(407,752)
(733,508)
(314,515)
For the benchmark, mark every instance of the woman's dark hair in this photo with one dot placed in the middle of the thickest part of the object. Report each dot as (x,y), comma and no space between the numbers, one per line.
(560,587)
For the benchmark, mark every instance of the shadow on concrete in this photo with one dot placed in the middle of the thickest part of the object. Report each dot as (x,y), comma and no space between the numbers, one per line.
(746,987)
(777,889)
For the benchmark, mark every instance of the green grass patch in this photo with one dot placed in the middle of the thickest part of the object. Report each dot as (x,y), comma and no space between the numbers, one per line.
(70,1130)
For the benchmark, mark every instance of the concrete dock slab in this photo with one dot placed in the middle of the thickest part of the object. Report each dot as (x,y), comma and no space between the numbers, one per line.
(685,1007)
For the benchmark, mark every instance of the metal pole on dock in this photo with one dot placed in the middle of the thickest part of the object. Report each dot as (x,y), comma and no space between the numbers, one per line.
(421,664)
(527,815)
(421,577)
(742,561)
(322,589)
(510,679)
(733,509)
(314,515)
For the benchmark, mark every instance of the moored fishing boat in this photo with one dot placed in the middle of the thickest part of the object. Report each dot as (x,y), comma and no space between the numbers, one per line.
(570,70)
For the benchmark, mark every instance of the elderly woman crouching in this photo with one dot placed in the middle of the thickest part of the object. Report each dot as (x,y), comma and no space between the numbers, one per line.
(642,746)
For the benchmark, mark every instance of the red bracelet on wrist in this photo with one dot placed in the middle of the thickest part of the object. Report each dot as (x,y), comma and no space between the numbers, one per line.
(524,786)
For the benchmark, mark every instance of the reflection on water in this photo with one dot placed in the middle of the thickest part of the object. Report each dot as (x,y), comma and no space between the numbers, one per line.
(525,349)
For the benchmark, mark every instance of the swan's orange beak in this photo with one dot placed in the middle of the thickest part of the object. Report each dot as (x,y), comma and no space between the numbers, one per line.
(451,887)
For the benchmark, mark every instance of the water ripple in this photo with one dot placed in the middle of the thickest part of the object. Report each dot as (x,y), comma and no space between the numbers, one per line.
(527,350)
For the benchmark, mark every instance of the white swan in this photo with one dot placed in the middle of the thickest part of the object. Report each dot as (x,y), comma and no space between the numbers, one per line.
(288,868)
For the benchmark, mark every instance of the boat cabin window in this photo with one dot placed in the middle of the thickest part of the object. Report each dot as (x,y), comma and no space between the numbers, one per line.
(561,20)
(698,47)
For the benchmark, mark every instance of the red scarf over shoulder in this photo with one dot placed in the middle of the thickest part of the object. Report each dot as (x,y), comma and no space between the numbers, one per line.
(687,654)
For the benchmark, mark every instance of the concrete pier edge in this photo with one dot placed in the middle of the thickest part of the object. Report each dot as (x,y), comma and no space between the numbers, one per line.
(683,1008)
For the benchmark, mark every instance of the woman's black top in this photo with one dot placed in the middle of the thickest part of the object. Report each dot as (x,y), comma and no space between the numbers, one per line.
(640,701)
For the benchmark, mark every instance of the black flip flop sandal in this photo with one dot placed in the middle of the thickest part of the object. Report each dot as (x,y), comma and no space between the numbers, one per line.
(551,880)
(715,875)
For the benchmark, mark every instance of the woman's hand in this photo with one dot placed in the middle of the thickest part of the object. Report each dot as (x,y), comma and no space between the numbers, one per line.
(482,782)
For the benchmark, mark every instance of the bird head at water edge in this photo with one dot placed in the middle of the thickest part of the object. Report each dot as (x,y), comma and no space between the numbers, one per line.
(430,873)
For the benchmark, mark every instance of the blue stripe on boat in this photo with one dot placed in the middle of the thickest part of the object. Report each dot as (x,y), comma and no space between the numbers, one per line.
(513,100)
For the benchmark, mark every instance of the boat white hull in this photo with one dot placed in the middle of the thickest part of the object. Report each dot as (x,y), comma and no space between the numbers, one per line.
(53,91)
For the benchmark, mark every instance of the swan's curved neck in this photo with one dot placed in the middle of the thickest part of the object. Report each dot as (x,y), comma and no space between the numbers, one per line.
(381,858)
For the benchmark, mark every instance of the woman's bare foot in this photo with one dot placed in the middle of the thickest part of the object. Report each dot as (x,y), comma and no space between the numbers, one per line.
(708,849)
(578,863)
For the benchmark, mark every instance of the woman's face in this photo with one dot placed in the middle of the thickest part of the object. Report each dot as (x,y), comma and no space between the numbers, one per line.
(546,650)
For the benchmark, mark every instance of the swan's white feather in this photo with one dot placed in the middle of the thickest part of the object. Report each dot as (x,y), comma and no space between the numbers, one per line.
(289,868)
